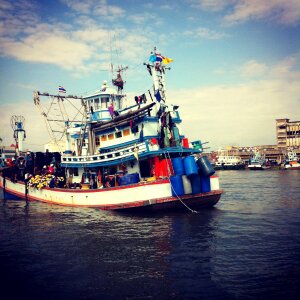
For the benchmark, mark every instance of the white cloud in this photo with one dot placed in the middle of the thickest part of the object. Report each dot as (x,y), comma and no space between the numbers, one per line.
(285,12)
(281,11)
(242,114)
(26,38)
(213,5)
(205,33)
(50,48)
(97,8)
(288,68)
(143,18)
(238,114)
(253,68)
(79,6)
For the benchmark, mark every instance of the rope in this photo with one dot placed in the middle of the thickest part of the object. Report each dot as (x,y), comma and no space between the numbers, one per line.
(167,156)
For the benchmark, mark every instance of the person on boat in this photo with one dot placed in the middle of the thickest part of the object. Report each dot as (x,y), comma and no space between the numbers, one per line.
(52,182)
(2,163)
(51,169)
(27,177)
(44,171)
(20,163)
(111,110)
(13,169)
(28,162)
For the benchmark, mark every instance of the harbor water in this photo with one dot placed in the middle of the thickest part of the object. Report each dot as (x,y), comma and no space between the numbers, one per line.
(246,247)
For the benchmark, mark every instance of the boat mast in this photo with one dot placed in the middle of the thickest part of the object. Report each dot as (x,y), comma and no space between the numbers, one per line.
(17,124)
(157,71)
(60,102)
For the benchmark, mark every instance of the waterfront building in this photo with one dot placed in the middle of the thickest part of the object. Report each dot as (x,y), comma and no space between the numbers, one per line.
(272,153)
(287,133)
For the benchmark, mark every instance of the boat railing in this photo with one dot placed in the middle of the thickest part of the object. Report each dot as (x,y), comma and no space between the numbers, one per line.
(108,156)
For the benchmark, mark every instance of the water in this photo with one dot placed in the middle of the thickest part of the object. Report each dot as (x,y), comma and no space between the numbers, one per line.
(247,247)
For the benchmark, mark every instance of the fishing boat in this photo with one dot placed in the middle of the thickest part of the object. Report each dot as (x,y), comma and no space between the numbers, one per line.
(258,162)
(228,162)
(124,156)
(292,161)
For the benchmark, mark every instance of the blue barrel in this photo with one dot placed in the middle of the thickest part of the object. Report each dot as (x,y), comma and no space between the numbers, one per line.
(196,184)
(178,166)
(205,167)
(190,166)
(129,179)
(205,184)
(177,185)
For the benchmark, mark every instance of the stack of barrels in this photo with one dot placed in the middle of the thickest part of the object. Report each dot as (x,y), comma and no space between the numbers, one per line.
(192,177)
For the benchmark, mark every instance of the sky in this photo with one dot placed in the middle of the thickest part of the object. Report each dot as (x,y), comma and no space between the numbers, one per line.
(235,69)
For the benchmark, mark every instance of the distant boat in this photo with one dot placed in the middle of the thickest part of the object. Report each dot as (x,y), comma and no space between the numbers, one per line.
(292,161)
(229,162)
(258,162)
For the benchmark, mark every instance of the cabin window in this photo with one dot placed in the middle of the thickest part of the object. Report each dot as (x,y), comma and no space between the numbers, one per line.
(103,138)
(104,102)
(97,141)
(118,134)
(111,136)
(126,132)
(96,103)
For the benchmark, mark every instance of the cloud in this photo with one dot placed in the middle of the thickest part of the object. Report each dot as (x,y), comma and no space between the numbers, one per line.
(280,11)
(212,5)
(284,12)
(242,114)
(253,68)
(144,18)
(79,6)
(72,47)
(238,114)
(47,48)
(288,68)
(205,33)
(97,8)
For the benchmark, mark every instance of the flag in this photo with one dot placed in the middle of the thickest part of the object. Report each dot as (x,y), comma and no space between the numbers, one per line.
(61,89)
(157,95)
(136,152)
(159,57)
(167,60)
(152,58)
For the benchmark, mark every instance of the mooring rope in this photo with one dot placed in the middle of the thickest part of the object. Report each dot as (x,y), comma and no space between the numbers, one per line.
(167,156)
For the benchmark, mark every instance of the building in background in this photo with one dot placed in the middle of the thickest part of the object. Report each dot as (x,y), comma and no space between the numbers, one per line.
(288,133)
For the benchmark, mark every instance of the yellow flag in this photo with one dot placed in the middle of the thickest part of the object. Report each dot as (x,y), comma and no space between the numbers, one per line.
(135,152)
(167,60)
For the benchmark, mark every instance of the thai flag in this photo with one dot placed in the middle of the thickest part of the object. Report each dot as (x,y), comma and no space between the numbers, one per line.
(159,57)
(61,89)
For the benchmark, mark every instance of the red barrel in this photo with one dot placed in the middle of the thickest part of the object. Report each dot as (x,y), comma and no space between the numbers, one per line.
(185,142)
(163,167)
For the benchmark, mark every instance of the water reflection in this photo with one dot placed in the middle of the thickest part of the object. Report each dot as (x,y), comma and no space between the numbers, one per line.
(248,246)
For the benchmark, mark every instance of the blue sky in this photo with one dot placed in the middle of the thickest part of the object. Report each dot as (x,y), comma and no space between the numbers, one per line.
(236,62)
